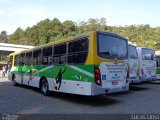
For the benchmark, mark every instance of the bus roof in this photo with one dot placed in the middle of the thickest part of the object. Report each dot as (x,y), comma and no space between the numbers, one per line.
(111,34)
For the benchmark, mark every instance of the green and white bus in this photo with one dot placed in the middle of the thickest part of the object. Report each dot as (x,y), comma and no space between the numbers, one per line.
(158,64)
(91,64)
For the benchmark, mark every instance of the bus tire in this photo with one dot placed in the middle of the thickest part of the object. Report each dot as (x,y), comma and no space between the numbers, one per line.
(44,87)
(14,80)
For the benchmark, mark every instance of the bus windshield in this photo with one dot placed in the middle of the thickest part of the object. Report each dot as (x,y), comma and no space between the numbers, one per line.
(112,47)
(133,52)
(148,54)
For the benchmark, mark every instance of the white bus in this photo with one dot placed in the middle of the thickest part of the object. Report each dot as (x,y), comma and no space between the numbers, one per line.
(146,64)
(158,64)
(133,63)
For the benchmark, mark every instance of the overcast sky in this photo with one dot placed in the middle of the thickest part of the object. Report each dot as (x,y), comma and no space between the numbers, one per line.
(24,13)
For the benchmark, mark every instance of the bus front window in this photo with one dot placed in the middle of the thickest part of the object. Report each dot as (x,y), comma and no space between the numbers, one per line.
(112,47)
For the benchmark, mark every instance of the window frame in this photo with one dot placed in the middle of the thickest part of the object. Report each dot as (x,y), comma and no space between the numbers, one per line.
(58,56)
(115,36)
(29,62)
(46,56)
(38,58)
(76,53)
(22,60)
(16,60)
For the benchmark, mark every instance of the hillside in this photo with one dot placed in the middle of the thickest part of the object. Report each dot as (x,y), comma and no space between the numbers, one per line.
(50,30)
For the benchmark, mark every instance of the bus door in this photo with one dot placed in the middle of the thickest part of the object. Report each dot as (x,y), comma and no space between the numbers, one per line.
(17,68)
(27,69)
(21,67)
(20,75)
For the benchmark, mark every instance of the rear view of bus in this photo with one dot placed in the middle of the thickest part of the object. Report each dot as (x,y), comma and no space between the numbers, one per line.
(133,64)
(158,64)
(112,72)
(147,64)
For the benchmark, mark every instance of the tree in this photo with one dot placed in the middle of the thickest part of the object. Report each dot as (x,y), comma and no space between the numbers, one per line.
(68,27)
(17,37)
(102,24)
(92,24)
(3,37)
(51,30)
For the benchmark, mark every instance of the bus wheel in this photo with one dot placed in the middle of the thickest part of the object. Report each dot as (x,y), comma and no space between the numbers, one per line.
(14,80)
(44,87)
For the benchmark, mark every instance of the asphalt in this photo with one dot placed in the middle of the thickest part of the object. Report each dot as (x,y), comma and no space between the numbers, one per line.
(142,98)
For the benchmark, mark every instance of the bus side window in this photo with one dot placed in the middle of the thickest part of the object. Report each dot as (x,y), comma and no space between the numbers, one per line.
(59,57)
(28,58)
(77,51)
(37,56)
(47,54)
(16,61)
(22,59)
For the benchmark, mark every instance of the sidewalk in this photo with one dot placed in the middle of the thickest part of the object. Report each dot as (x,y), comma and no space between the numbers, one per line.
(6,75)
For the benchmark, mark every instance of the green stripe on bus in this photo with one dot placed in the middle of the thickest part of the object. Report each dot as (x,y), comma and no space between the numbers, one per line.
(71,73)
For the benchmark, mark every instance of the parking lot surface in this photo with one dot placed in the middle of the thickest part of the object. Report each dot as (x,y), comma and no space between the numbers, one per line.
(142,98)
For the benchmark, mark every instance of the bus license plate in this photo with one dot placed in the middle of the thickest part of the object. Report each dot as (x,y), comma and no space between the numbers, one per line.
(114,82)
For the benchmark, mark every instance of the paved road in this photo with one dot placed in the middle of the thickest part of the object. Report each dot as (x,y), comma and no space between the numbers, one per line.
(143,98)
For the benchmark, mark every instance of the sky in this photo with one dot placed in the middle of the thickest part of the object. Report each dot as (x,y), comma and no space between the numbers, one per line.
(26,13)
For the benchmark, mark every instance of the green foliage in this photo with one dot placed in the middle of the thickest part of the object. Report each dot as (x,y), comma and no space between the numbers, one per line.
(51,30)
(142,35)
(3,37)
(18,37)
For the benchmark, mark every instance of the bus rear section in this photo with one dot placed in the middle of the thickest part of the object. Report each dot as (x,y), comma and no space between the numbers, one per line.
(147,64)
(111,70)
(133,64)
(158,64)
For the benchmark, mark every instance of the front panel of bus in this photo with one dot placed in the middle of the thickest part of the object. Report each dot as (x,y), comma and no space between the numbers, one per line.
(133,64)
(147,64)
(112,60)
